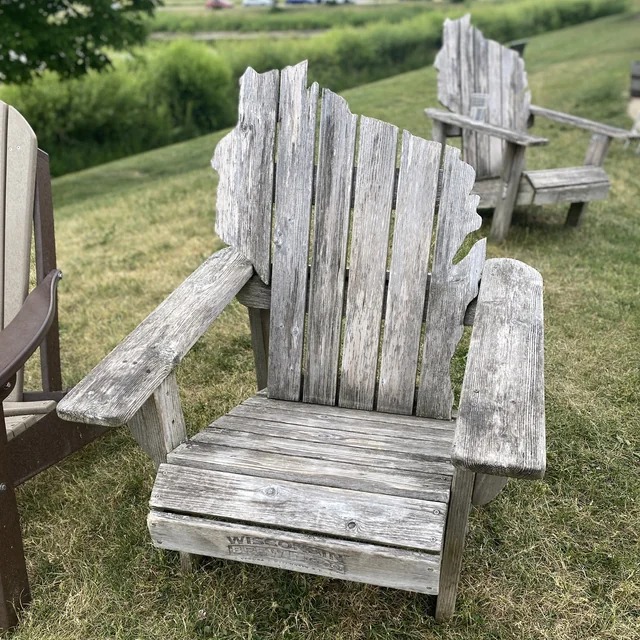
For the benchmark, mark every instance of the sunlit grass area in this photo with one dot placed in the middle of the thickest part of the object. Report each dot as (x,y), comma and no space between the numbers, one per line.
(553,560)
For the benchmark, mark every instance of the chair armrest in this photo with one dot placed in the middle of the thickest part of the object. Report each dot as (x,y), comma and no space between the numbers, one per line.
(24,334)
(583,123)
(464,122)
(501,423)
(112,393)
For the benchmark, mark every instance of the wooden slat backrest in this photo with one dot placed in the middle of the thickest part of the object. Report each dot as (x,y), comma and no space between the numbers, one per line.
(483,79)
(358,342)
(18,159)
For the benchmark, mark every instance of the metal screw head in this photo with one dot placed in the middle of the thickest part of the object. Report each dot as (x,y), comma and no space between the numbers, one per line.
(351,524)
(3,486)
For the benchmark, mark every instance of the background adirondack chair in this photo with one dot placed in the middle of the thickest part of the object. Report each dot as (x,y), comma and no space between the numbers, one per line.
(32,437)
(342,465)
(484,85)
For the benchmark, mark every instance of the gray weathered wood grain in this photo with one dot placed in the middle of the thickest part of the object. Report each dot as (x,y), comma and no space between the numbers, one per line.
(333,197)
(452,287)
(494,113)
(371,422)
(437,447)
(513,166)
(371,564)
(486,488)
(408,273)
(259,321)
(474,70)
(292,215)
(453,548)
(428,462)
(159,426)
(116,389)
(465,122)
(500,428)
(583,123)
(373,518)
(330,473)
(367,268)
(245,157)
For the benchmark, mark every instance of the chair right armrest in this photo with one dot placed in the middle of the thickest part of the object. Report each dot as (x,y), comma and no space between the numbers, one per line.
(501,423)
(464,122)
(113,392)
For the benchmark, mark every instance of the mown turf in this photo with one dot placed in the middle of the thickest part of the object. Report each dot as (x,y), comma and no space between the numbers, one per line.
(552,560)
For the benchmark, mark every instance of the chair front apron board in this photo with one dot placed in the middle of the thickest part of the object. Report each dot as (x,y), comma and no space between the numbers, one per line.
(344,237)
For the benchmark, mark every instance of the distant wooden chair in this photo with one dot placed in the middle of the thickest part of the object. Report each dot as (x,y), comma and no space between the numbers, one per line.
(348,463)
(32,437)
(484,85)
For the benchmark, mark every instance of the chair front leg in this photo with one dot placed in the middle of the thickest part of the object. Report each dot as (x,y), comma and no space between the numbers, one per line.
(14,583)
(508,190)
(596,153)
(159,428)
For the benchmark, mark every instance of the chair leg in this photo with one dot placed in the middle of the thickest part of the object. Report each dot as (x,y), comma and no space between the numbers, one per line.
(456,529)
(159,428)
(508,191)
(576,211)
(596,153)
(14,583)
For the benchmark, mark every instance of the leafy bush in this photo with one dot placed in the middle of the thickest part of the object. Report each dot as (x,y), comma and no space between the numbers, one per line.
(175,93)
(192,85)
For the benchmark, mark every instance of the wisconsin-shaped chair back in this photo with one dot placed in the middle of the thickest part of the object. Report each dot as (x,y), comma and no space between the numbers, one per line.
(486,81)
(320,206)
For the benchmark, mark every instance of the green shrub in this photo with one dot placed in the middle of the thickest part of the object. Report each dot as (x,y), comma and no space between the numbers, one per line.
(193,86)
(177,92)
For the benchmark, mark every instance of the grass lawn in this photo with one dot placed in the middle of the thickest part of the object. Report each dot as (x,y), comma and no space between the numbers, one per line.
(553,560)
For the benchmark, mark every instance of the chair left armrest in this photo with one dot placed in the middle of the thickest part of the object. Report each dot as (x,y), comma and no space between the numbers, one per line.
(584,123)
(24,334)
(501,424)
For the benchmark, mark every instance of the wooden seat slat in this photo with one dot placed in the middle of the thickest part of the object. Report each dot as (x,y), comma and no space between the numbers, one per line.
(342,513)
(346,475)
(370,422)
(430,461)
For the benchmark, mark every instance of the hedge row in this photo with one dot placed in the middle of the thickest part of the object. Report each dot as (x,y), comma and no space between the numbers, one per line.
(289,19)
(185,88)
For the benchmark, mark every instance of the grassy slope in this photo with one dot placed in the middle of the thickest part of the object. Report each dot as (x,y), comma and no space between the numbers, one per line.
(555,559)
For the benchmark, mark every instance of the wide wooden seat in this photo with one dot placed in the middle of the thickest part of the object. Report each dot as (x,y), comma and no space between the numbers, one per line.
(484,85)
(346,241)
(320,475)
(548,186)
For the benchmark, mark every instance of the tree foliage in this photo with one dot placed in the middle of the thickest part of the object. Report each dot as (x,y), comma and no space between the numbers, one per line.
(66,36)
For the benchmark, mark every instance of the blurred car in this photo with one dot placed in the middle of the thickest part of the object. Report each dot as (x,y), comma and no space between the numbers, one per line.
(218,4)
(257,3)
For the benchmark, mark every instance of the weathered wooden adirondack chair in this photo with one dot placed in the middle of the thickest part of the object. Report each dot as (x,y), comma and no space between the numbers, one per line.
(32,437)
(342,465)
(484,85)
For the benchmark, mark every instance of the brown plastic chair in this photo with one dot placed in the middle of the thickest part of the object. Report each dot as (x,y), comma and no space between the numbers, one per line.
(32,437)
